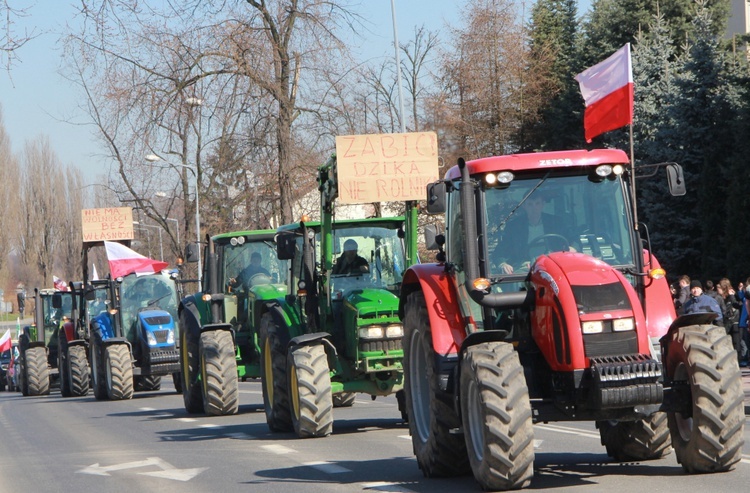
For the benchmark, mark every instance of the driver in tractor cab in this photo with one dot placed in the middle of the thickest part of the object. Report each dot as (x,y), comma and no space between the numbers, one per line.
(350,263)
(529,234)
(255,268)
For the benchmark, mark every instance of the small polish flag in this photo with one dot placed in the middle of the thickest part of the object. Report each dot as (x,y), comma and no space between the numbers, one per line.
(124,261)
(94,274)
(5,342)
(607,89)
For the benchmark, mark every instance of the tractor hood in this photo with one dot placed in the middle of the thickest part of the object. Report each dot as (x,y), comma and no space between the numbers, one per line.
(156,320)
(372,304)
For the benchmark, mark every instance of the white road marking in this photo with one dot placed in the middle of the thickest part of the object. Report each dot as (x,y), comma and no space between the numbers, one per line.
(538,443)
(278,449)
(187,420)
(405,437)
(327,467)
(570,431)
(148,409)
(240,436)
(211,426)
(386,487)
(255,392)
(168,471)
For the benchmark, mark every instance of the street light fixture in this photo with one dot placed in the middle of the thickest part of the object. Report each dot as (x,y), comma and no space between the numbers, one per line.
(153,158)
(161,247)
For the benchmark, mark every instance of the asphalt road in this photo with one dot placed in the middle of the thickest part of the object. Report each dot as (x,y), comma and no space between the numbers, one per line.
(149,443)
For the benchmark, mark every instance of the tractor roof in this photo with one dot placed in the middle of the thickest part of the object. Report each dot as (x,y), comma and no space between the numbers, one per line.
(541,160)
(256,235)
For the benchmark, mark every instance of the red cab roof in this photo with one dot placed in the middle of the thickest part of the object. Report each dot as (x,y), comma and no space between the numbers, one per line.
(541,160)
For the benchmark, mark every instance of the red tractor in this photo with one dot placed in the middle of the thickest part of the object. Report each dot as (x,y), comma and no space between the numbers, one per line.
(546,304)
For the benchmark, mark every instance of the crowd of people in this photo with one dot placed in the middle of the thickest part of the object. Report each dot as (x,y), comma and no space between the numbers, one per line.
(730,306)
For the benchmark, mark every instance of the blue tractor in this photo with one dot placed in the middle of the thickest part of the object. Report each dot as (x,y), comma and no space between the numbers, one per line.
(133,334)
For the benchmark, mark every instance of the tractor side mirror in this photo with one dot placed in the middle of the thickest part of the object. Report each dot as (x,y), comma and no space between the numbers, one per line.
(191,252)
(433,240)
(57,300)
(286,246)
(676,180)
(436,193)
(90,294)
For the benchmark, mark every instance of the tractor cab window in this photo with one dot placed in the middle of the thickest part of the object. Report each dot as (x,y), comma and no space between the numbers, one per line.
(539,214)
(150,292)
(368,256)
(249,263)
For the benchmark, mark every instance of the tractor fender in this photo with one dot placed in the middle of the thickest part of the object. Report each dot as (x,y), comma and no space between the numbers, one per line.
(703,318)
(323,337)
(70,331)
(188,311)
(659,309)
(446,320)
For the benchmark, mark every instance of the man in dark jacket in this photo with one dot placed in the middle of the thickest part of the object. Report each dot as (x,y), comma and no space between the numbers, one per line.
(350,263)
(702,303)
(530,234)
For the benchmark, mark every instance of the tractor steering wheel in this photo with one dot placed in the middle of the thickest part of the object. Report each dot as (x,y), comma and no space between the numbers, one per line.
(549,241)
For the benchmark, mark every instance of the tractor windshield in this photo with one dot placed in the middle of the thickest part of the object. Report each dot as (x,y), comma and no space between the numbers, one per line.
(365,257)
(538,214)
(150,292)
(247,263)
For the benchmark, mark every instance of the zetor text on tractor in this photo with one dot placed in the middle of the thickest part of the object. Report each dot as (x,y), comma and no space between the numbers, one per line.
(544,307)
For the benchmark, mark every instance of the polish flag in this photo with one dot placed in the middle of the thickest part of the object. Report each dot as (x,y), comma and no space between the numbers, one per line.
(59,284)
(124,261)
(5,342)
(607,89)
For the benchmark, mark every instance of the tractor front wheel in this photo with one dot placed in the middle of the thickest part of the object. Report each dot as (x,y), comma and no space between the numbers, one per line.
(77,371)
(37,371)
(274,377)
(496,414)
(344,399)
(147,383)
(707,437)
(219,370)
(430,411)
(645,439)
(99,379)
(63,365)
(192,395)
(119,369)
(310,391)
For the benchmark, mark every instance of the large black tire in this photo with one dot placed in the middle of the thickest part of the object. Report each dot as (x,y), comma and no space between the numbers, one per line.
(273,376)
(119,368)
(710,437)
(63,366)
(645,439)
(37,371)
(344,399)
(177,381)
(22,382)
(496,415)
(78,371)
(430,411)
(147,383)
(98,373)
(192,395)
(310,391)
(219,370)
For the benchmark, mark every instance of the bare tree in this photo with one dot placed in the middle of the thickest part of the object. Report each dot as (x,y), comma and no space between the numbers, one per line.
(417,58)
(10,39)
(9,185)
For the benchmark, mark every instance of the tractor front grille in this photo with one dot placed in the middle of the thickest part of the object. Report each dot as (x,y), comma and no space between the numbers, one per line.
(161,336)
(610,343)
(380,345)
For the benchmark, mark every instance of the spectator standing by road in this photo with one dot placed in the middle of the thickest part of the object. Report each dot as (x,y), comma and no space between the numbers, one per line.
(702,303)
(682,294)
(711,291)
(743,322)
(21,298)
(731,312)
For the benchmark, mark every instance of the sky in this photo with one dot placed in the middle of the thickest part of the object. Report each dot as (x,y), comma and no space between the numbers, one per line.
(37,100)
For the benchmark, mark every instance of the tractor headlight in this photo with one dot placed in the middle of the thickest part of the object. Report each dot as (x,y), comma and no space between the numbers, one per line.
(170,337)
(623,324)
(150,338)
(593,327)
(372,332)
(395,331)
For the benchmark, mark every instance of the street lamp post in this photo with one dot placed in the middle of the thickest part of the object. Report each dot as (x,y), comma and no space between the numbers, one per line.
(152,158)
(158,228)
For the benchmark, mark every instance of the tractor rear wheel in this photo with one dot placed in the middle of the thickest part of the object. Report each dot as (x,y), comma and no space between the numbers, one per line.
(192,395)
(177,381)
(708,437)
(147,383)
(310,391)
(78,371)
(98,374)
(219,370)
(119,369)
(496,414)
(37,371)
(430,411)
(344,399)
(644,439)
(273,376)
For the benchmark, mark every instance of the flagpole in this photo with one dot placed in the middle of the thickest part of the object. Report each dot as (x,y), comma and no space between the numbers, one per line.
(632,178)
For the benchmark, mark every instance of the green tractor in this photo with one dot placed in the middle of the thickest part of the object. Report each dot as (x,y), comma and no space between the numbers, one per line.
(337,331)
(39,343)
(219,341)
